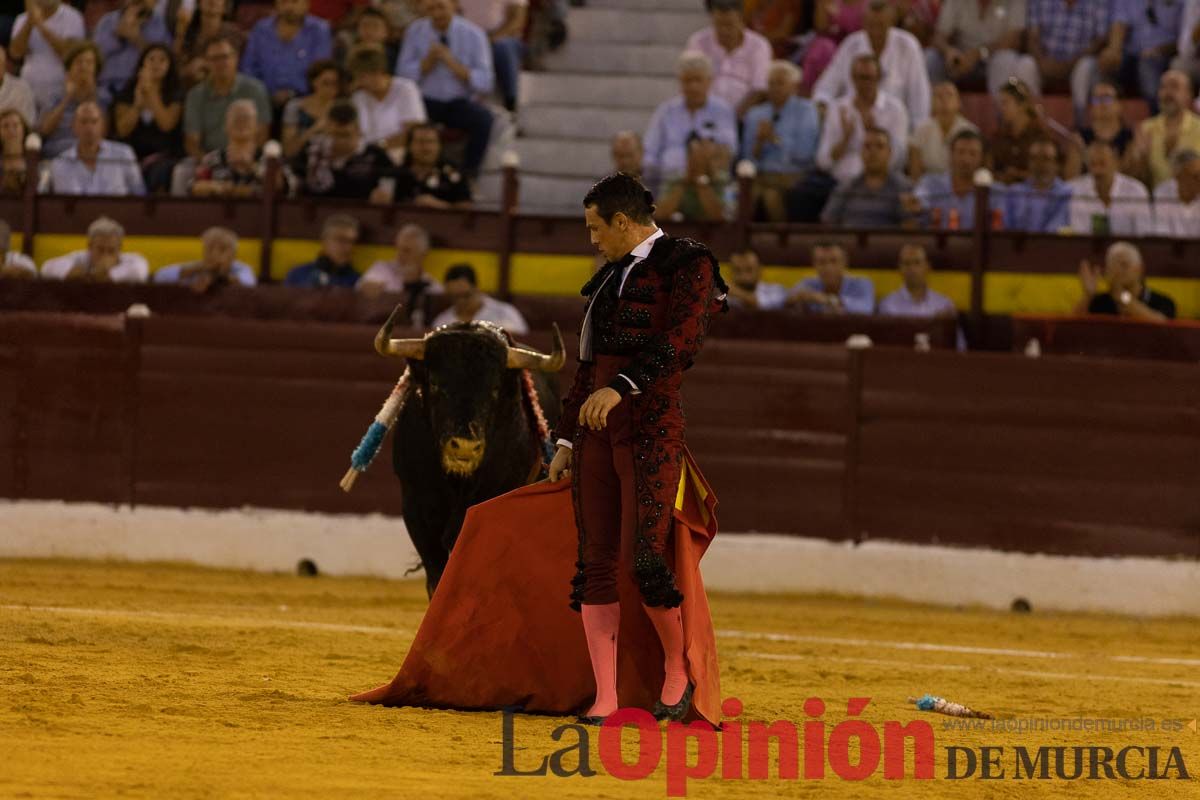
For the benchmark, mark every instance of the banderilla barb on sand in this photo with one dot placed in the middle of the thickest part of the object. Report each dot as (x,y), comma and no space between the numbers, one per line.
(941,705)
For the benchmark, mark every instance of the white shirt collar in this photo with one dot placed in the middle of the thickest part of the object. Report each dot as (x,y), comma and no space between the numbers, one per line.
(643,249)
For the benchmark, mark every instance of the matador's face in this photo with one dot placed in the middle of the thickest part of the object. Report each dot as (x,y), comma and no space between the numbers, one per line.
(607,237)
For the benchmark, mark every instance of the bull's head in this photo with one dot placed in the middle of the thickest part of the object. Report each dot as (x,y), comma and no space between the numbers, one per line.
(468,376)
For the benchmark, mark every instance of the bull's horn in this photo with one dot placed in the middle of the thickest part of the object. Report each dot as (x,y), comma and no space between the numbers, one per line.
(413,349)
(525,358)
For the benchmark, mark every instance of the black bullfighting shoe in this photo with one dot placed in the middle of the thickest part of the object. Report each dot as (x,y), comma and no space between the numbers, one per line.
(596,720)
(674,713)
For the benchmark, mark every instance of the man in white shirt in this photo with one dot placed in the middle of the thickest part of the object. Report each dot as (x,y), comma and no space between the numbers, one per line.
(102,261)
(468,304)
(1177,201)
(740,57)
(387,105)
(900,56)
(405,272)
(15,92)
(12,263)
(1106,202)
(840,150)
(40,39)
(748,290)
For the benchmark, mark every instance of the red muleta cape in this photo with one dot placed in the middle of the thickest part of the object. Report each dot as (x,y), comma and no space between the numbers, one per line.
(499,631)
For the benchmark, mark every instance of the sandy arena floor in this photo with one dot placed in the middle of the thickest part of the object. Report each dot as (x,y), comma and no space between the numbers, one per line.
(175,682)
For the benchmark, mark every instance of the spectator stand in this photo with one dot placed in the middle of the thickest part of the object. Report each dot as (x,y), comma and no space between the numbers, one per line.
(989,274)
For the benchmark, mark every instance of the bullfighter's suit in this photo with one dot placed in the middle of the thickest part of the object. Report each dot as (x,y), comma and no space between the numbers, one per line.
(646,318)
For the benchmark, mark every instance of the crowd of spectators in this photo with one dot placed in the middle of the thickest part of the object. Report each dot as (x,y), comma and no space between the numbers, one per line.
(849,110)
(166,76)
(106,260)
(355,90)
(813,103)
(1118,287)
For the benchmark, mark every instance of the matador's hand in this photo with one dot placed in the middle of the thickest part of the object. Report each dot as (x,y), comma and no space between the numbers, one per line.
(594,412)
(560,467)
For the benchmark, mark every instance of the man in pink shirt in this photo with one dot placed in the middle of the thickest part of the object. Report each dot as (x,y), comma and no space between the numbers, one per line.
(741,58)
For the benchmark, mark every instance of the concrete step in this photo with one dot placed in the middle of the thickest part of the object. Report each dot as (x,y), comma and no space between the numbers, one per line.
(581,122)
(637,5)
(564,157)
(634,27)
(597,91)
(551,194)
(611,58)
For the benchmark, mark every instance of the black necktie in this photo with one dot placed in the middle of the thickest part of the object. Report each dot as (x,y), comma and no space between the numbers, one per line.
(612,284)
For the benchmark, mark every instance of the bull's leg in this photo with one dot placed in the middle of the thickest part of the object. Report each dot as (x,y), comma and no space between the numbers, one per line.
(433,572)
(450,532)
(426,538)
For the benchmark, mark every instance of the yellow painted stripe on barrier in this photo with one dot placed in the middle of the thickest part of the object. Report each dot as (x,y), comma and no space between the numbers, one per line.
(1039,293)
(535,273)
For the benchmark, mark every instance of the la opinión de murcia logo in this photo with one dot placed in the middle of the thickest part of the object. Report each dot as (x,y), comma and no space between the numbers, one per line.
(825,752)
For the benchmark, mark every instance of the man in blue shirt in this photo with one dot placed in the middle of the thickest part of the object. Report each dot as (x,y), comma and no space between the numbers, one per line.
(780,138)
(1149,31)
(121,36)
(218,265)
(283,46)
(915,298)
(948,199)
(450,59)
(95,166)
(695,114)
(1042,202)
(831,290)
(332,266)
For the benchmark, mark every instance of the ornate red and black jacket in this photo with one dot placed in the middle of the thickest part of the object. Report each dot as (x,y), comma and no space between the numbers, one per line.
(657,321)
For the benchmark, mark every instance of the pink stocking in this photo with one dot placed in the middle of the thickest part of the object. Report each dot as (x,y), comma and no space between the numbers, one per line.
(600,626)
(669,624)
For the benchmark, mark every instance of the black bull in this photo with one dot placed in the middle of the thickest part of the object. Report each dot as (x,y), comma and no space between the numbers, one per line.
(466,433)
